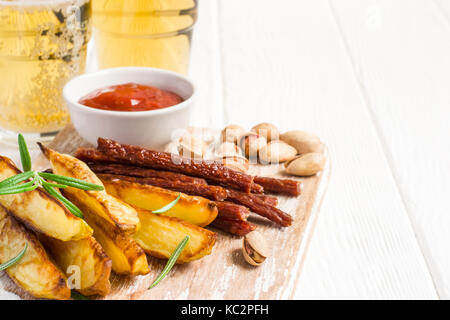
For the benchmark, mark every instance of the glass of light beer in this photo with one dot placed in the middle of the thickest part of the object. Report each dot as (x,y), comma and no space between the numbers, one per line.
(42,45)
(149,33)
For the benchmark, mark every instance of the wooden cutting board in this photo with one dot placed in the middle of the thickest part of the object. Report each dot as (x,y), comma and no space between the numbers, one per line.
(224,274)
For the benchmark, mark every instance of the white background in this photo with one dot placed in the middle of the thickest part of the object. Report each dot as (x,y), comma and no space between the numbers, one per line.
(372,78)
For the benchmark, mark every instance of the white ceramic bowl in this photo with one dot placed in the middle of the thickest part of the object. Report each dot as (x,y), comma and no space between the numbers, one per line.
(151,129)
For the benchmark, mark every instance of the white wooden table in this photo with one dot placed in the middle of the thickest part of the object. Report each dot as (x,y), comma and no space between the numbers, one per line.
(372,78)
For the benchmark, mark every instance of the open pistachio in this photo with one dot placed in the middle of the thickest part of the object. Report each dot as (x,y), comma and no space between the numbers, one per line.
(303,141)
(232,133)
(267,130)
(276,151)
(306,164)
(255,248)
(237,163)
(251,143)
(228,149)
(192,147)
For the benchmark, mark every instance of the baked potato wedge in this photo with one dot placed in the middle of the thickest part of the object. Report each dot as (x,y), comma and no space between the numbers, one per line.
(160,235)
(34,272)
(41,212)
(87,255)
(127,256)
(193,209)
(112,210)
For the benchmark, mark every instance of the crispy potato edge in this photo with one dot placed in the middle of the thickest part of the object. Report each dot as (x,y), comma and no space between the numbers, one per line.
(128,222)
(85,229)
(90,251)
(207,243)
(125,190)
(59,289)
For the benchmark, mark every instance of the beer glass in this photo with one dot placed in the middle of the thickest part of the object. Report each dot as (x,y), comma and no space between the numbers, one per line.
(150,33)
(42,45)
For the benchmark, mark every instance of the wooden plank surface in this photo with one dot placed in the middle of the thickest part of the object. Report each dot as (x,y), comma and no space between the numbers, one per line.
(286,62)
(405,88)
(225,273)
(371,78)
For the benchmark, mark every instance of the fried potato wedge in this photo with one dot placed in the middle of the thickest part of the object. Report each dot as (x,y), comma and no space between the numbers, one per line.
(160,235)
(112,210)
(34,272)
(127,256)
(83,258)
(193,209)
(41,212)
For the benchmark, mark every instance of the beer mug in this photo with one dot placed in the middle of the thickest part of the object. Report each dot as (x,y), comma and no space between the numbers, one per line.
(146,33)
(42,45)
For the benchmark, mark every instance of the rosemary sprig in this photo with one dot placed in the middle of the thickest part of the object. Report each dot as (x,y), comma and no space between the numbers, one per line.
(16,179)
(15,260)
(30,180)
(169,206)
(24,187)
(55,185)
(70,182)
(173,258)
(69,205)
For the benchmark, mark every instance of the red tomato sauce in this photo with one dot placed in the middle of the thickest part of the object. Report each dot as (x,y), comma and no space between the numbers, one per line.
(130,97)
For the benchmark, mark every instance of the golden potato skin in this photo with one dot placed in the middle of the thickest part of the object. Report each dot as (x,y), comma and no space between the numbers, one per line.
(41,212)
(35,272)
(127,256)
(112,210)
(193,209)
(89,256)
(160,235)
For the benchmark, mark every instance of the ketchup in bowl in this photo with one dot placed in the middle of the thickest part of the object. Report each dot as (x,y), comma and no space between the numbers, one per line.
(130,97)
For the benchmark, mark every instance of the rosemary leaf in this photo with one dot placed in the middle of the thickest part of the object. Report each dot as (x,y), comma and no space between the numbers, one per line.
(71,182)
(16,179)
(173,258)
(69,205)
(169,206)
(24,154)
(25,187)
(54,185)
(13,261)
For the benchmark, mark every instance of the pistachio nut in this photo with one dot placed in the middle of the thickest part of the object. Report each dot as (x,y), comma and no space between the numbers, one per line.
(232,133)
(267,130)
(255,248)
(251,143)
(306,164)
(276,151)
(237,163)
(303,141)
(227,149)
(192,147)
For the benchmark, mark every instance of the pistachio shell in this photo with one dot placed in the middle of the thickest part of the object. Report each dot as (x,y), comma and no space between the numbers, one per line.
(307,164)
(267,130)
(303,141)
(192,147)
(277,151)
(237,163)
(255,248)
(232,133)
(251,143)
(228,149)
